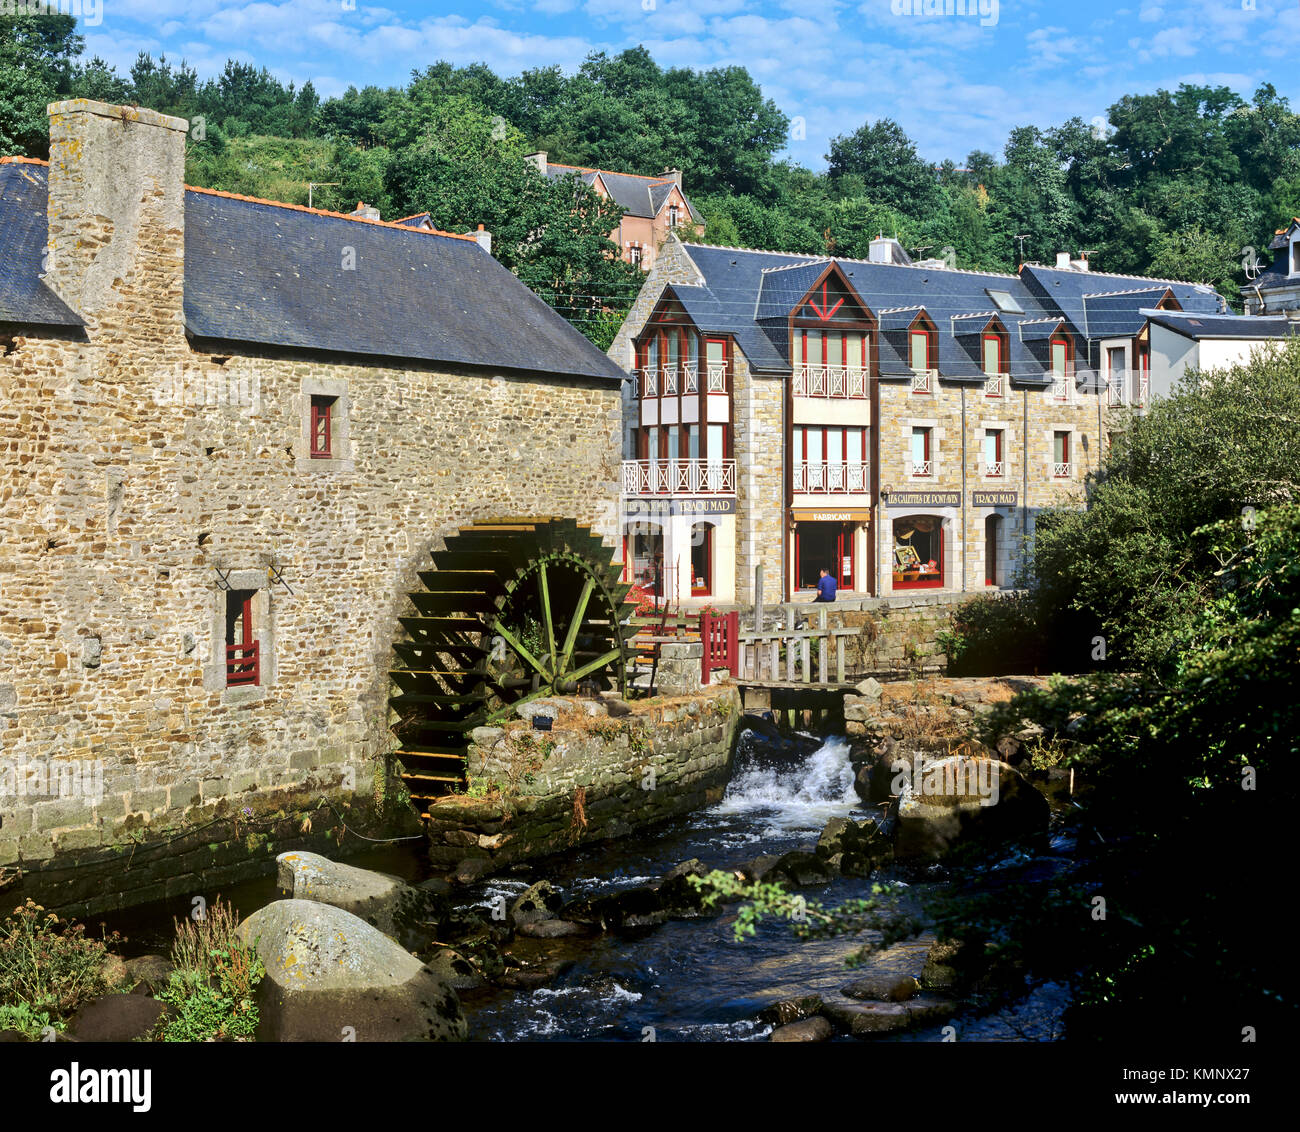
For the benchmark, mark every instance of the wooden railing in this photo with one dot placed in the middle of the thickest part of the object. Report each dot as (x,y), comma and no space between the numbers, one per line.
(720,635)
(679,477)
(834,478)
(786,655)
(829,381)
(243,665)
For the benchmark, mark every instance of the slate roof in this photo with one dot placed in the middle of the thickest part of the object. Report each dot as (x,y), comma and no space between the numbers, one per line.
(638,196)
(1118,314)
(261,273)
(744,283)
(1198,326)
(24,297)
(1065,289)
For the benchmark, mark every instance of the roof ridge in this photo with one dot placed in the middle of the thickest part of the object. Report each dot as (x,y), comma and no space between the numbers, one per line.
(326,212)
(612,172)
(810,262)
(1109,294)
(411,217)
(1116,275)
(16,160)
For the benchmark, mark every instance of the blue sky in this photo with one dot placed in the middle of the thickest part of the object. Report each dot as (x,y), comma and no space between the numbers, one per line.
(955,82)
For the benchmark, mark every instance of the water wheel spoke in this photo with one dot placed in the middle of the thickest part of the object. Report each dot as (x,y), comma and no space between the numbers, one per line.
(575,625)
(520,648)
(599,662)
(548,624)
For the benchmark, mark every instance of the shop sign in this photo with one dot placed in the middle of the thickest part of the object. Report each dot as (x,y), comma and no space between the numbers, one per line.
(848,515)
(993,498)
(924,499)
(656,508)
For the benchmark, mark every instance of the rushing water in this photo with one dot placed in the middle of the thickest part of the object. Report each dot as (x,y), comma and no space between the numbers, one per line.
(687,980)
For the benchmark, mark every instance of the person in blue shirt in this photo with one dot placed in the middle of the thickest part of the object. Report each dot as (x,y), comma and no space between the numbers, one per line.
(825,587)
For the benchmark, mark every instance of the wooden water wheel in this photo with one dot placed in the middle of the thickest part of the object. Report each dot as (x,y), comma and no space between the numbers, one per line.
(514,610)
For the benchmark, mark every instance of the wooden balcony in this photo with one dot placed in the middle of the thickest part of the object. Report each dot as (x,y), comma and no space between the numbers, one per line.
(843,478)
(829,381)
(679,477)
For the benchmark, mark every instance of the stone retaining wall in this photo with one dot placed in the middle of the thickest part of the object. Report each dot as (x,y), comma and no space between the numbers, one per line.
(590,778)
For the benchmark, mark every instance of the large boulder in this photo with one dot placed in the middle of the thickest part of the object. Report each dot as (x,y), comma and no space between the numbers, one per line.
(535,904)
(399,910)
(806,1030)
(853,847)
(330,976)
(116,1018)
(961,799)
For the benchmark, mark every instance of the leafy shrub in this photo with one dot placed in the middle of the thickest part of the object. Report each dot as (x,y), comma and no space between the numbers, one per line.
(27,1021)
(47,964)
(214,985)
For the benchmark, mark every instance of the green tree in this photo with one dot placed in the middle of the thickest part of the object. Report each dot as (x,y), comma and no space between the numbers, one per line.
(885,159)
(36,68)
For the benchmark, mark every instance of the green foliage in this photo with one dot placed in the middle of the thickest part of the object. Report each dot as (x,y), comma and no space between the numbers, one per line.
(808,919)
(47,964)
(33,1024)
(214,985)
(36,53)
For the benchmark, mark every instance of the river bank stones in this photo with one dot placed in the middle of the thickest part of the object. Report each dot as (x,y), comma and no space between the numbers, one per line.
(331,977)
(962,799)
(399,910)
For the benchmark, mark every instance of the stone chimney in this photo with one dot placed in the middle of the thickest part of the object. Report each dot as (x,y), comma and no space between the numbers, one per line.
(365,211)
(673,175)
(1063,261)
(1080,264)
(483,237)
(116,216)
(538,161)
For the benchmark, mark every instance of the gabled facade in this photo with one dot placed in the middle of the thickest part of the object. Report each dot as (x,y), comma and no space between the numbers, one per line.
(653,206)
(898,424)
(1277,287)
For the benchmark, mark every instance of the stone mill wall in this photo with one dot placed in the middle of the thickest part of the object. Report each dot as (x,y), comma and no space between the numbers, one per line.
(592,777)
(143,477)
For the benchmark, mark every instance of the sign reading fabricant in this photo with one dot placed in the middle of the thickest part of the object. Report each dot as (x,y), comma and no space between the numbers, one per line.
(993,498)
(709,505)
(848,515)
(924,499)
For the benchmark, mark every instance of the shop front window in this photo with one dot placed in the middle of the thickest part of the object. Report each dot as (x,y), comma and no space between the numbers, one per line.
(701,560)
(918,552)
(644,551)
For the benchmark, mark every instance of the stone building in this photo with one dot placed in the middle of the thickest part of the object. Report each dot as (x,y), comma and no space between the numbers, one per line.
(899,424)
(231,431)
(652,206)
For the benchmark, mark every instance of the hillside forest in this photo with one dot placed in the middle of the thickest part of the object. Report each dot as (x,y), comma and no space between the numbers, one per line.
(1188,184)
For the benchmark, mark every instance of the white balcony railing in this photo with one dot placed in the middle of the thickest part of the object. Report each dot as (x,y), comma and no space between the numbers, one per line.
(923,380)
(832,478)
(690,378)
(679,477)
(994,468)
(1115,389)
(649,382)
(716,377)
(996,386)
(1144,390)
(1061,387)
(922,467)
(1061,471)
(829,381)
(670,381)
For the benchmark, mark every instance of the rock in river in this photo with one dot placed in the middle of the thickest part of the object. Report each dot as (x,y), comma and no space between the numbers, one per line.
(958,799)
(330,975)
(397,909)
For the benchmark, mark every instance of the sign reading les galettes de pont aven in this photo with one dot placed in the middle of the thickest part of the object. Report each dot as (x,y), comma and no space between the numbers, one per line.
(924,499)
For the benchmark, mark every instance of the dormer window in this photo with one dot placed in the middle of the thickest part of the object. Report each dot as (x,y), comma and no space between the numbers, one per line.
(1295,257)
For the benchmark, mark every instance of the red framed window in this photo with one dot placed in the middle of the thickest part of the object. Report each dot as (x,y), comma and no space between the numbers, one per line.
(920,354)
(1062,356)
(243,662)
(922,457)
(995,354)
(701,560)
(321,434)
(1061,454)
